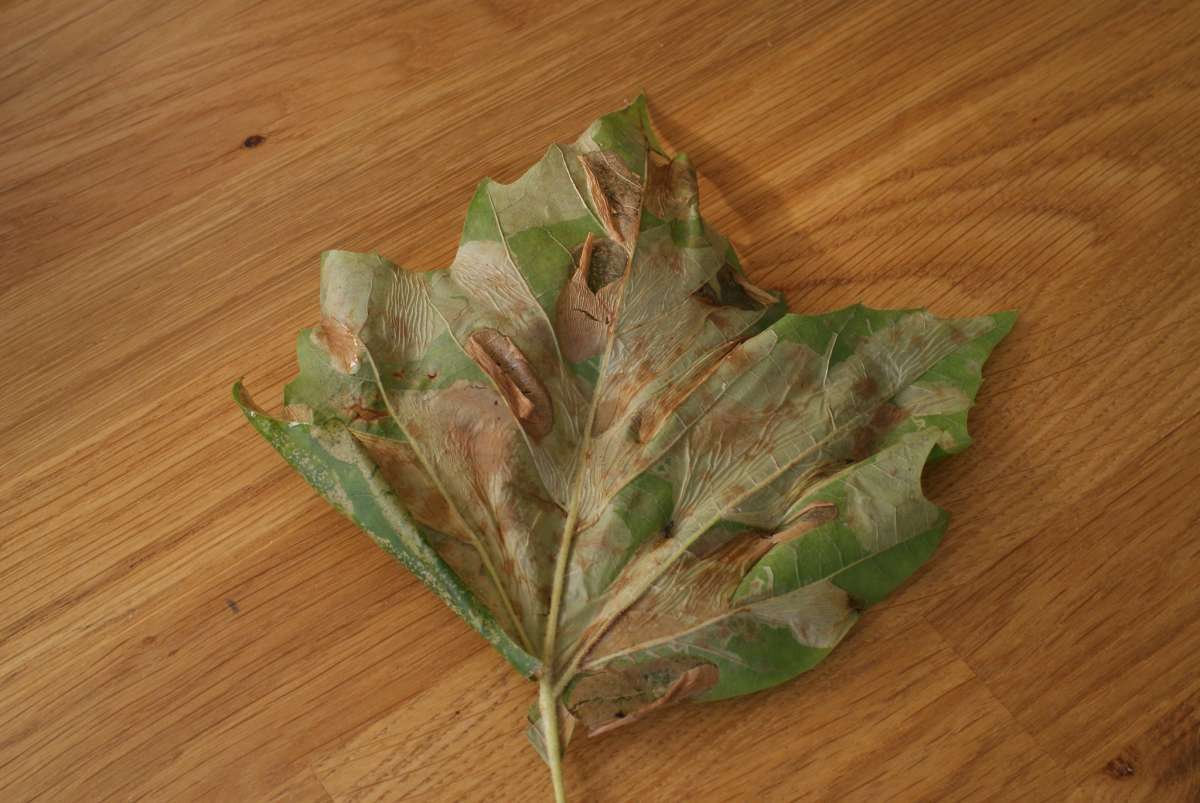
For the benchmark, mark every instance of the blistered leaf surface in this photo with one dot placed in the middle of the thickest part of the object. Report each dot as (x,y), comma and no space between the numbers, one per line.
(618,459)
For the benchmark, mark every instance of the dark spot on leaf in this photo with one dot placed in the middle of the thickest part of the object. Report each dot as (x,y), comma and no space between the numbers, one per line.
(616,194)
(397,374)
(233,606)
(365,413)
(606,263)
(253,141)
(619,715)
(431,375)
(866,387)
(729,289)
(886,418)
(668,529)
(515,378)
(1119,768)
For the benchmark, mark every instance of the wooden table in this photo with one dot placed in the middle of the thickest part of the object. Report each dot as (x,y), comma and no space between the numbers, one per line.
(183,619)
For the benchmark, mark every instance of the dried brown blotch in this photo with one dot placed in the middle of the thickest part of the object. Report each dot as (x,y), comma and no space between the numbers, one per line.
(366,413)
(616,193)
(671,190)
(619,395)
(650,419)
(736,558)
(340,343)
(606,412)
(866,387)
(402,471)
(514,376)
(298,412)
(886,418)
(618,697)
(730,289)
(692,591)
(809,519)
(605,263)
(584,311)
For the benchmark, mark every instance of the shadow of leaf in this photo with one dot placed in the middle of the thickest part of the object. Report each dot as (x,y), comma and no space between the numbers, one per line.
(774,251)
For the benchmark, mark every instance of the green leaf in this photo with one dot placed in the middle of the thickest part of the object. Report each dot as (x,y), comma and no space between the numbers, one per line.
(624,464)
(335,463)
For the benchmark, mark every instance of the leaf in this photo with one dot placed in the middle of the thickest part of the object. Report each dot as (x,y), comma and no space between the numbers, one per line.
(624,464)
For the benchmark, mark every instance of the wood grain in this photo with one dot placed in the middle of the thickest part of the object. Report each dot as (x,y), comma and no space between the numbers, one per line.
(182,619)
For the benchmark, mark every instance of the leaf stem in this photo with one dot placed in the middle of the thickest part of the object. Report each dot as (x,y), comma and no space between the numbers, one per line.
(562,559)
(550,685)
(547,703)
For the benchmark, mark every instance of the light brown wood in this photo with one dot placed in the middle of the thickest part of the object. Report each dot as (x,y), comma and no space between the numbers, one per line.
(183,619)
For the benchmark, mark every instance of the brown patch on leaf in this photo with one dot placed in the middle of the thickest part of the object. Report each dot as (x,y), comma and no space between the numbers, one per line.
(616,193)
(357,411)
(740,554)
(809,519)
(508,367)
(585,307)
(671,189)
(692,591)
(866,387)
(617,697)
(605,263)
(696,680)
(400,468)
(886,418)
(298,412)
(606,412)
(341,344)
(652,416)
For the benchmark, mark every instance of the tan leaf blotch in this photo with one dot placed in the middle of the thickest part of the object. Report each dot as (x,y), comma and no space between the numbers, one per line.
(500,358)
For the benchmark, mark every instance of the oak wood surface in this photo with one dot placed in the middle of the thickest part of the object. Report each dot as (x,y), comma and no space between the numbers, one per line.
(181,618)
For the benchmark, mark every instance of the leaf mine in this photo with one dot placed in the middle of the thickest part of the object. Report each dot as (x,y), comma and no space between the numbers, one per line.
(618,459)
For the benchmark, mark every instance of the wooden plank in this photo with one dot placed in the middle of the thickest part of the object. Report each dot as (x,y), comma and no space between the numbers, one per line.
(180,618)
(1161,764)
(801,741)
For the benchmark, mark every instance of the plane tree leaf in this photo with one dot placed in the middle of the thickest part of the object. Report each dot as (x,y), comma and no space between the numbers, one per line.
(618,459)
